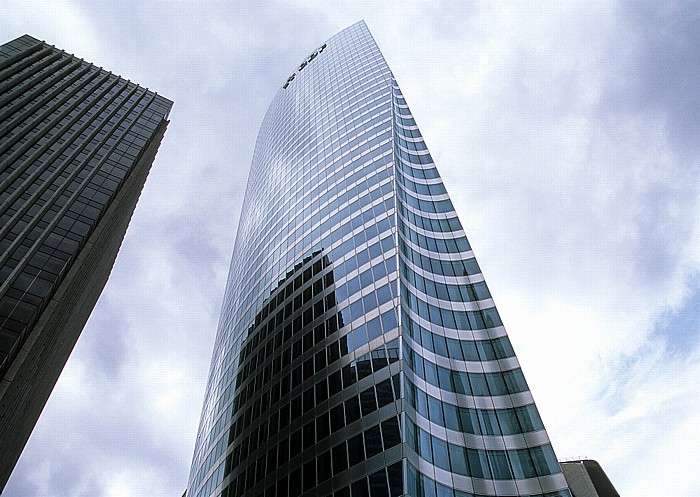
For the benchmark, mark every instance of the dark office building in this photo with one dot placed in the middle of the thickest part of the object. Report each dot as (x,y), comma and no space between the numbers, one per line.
(359,351)
(586,478)
(76,145)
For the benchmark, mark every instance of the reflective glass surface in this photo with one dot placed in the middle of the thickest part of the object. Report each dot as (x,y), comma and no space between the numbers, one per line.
(358,340)
(76,145)
(70,135)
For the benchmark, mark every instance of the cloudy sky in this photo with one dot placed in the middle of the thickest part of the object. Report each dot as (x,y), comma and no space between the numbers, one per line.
(567,134)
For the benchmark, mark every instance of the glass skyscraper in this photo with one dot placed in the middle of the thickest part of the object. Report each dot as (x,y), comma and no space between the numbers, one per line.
(359,351)
(76,145)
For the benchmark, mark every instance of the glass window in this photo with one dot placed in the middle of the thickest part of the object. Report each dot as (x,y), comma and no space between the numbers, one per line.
(356,449)
(522,464)
(284,415)
(426,339)
(322,426)
(424,445)
(349,377)
(352,409)
(365,279)
(422,403)
(454,348)
(283,451)
(443,491)
(374,329)
(309,475)
(335,384)
(359,488)
(485,349)
(418,364)
(458,460)
(529,418)
(451,416)
(444,378)
(389,321)
(544,460)
(337,418)
(497,384)
(503,348)
(295,482)
(384,393)
(478,384)
(431,373)
(412,481)
(340,459)
(478,464)
(469,350)
(515,381)
(412,436)
(323,463)
(368,401)
(373,441)
(508,420)
(390,432)
(377,484)
(500,469)
(395,474)
(435,410)
(309,435)
(440,345)
(460,380)
(427,486)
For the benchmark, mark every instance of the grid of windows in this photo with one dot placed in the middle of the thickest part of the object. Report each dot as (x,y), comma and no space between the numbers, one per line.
(71,134)
(76,144)
(421,485)
(455,351)
(358,339)
(308,340)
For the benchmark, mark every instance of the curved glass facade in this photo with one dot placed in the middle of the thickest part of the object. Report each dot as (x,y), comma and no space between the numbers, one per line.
(359,351)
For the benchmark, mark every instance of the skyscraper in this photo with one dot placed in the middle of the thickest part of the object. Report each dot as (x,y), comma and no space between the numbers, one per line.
(76,145)
(359,351)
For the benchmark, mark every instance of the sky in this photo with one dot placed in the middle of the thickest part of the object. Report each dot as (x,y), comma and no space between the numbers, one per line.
(567,134)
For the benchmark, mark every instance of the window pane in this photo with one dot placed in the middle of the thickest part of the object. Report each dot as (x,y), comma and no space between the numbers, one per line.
(373,441)
(458,460)
(377,484)
(390,432)
(440,457)
(356,450)
(340,458)
(499,465)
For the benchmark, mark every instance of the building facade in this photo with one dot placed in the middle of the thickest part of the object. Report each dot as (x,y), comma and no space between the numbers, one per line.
(76,145)
(359,351)
(586,478)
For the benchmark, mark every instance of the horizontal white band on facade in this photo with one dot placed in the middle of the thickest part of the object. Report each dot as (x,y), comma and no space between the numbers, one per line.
(449,305)
(442,256)
(430,215)
(443,235)
(472,401)
(412,152)
(483,487)
(421,181)
(438,278)
(470,440)
(495,366)
(485,334)
(425,196)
